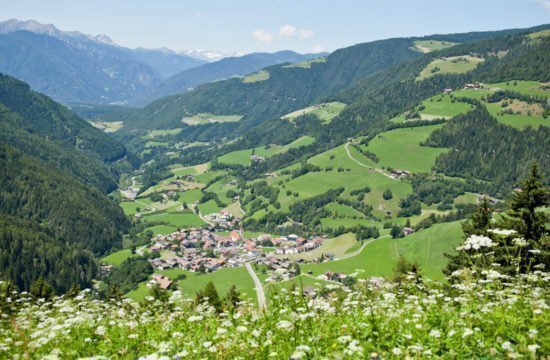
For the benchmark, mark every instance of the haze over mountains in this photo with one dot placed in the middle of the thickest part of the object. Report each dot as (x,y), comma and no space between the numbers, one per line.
(72,67)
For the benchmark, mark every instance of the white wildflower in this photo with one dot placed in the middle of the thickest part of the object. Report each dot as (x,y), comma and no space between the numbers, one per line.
(476,242)
(285,325)
(467,332)
(435,333)
(533,348)
(507,346)
(504,232)
(241,329)
(521,242)
(397,351)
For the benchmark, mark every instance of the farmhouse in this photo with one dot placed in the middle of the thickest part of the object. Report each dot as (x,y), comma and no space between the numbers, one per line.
(256,158)
(163,282)
(408,230)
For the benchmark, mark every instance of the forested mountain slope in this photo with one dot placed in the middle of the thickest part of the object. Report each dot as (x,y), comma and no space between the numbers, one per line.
(219,70)
(55,171)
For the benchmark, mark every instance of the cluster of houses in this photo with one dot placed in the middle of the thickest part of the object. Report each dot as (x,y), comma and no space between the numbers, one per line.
(282,269)
(293,244)
(471,86)
(396,173)
(223,219)
(200,250)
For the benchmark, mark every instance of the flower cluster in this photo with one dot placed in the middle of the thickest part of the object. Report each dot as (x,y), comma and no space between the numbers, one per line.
(476,242)
(494,317)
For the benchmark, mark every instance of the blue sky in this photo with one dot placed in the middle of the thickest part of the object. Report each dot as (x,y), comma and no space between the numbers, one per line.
(269,25)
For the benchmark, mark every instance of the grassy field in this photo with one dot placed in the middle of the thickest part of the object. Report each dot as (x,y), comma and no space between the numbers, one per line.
(426,247)
(190,196)
(337,246)
(118,257)
(209,207)
(131,207)
(180,220)
(242,157)
(157,133)
(206,118)
(539,34)
(307,63)
(223,279)
(161,229)
(139,293)
(330,223)
(108,127)
(534,88)
(516,120)
(261,75)
(443,106)
(426,46)
(450,65)
(325,112)
(391,147)
(341,210)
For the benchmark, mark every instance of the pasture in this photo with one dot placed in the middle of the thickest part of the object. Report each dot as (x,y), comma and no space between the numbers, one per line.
(450,65)
(426,46)
(400,149)
(206,118)
(261,75)
(427,247)
(242,157)
(443,106)
(325,111)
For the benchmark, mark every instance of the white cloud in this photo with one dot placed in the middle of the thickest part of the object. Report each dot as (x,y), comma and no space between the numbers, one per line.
(317,49)
(288,31)
(545,3)
(285,32)
(306,34)
(263,36)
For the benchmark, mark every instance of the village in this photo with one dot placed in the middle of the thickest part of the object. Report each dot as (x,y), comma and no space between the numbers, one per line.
(202,250)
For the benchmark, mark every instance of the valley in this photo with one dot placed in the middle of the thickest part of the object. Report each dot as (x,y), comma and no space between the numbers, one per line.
(388,198)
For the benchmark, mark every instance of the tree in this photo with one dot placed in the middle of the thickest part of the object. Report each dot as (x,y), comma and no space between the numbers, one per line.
(158,294)
(40,289)
(210,294)
(480,220)
(523,214)
(396,232)
(403,268)
(233,297)
(387,195)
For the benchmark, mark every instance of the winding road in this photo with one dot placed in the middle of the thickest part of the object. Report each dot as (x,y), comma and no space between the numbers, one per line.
(259,287)
(366,166)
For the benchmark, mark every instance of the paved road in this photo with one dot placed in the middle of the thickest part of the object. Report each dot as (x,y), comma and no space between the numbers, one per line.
(366,166)
(259,287)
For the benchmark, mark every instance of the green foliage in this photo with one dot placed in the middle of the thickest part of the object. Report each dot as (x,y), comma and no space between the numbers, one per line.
(481,144)
(130,273)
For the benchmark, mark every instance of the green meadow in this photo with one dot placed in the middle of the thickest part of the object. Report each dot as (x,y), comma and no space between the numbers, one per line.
(450,65)
(427,247)
(261,75)
(118,257)
(325,111)
(206,118)
(443,106)
(426,46)
(242,157)
(400,149)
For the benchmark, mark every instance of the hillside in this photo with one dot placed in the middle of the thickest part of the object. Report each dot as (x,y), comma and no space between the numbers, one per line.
(55,172)
(220,70)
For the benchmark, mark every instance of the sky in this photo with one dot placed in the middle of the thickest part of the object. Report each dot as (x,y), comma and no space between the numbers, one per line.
(244,26)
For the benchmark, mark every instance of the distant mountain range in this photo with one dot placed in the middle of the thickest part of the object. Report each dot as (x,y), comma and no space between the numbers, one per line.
(220,70)
(73,67)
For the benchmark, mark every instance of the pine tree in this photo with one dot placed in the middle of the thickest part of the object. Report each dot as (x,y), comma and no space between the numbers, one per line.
(209,292)
(480,220)
(233,297)
(523,214)
(40,289)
